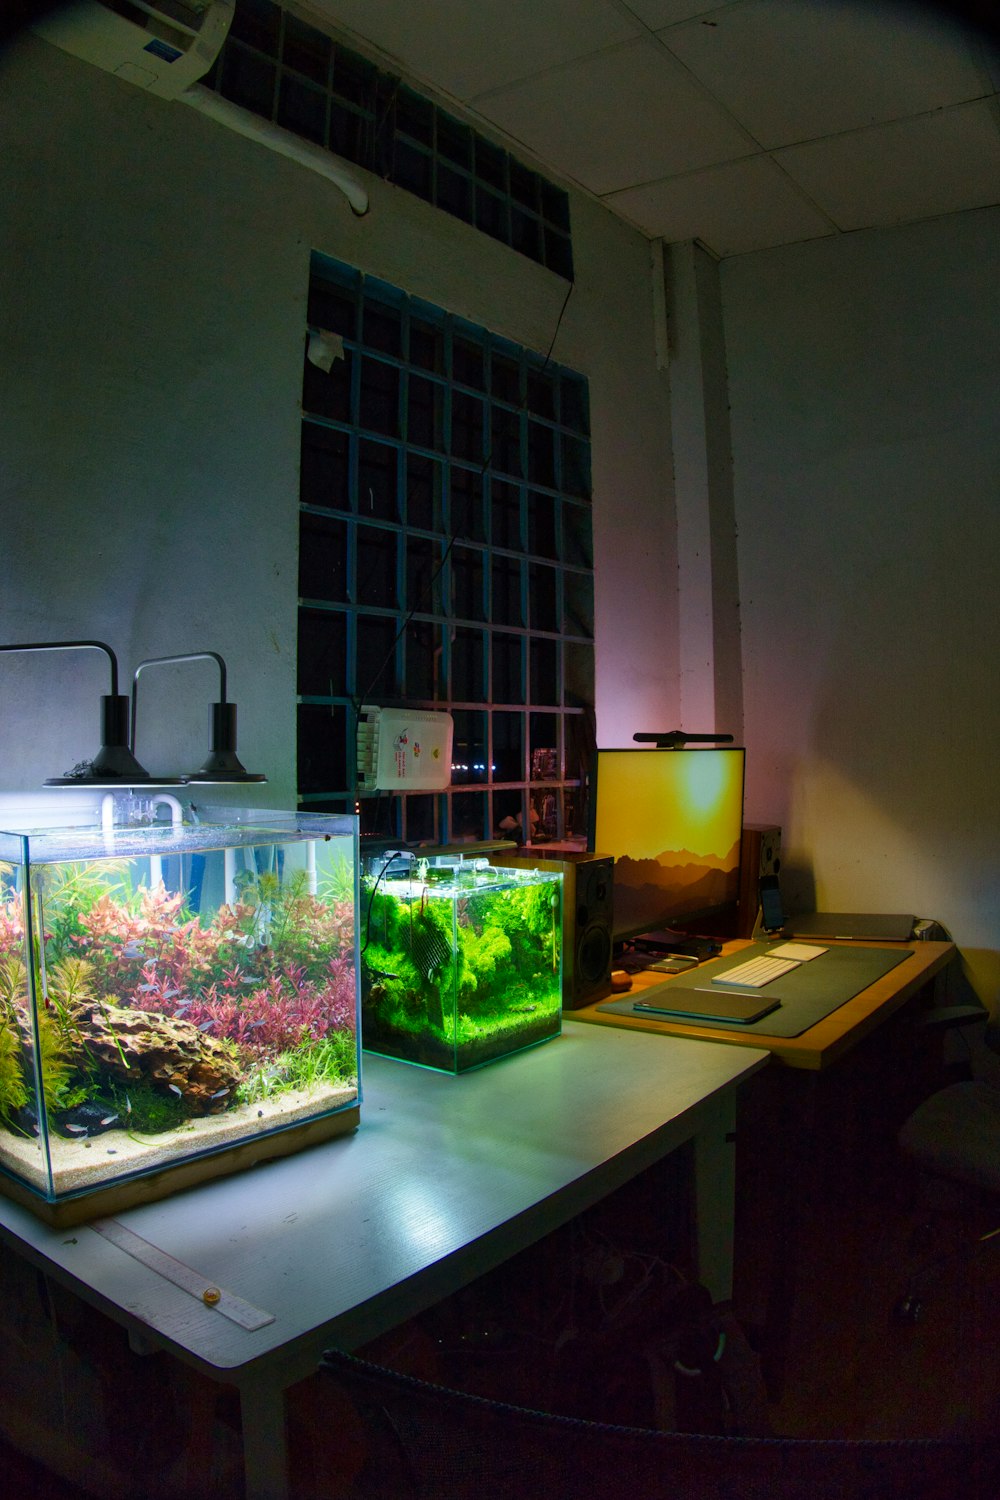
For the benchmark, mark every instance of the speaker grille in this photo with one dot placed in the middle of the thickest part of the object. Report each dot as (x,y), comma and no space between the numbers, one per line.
(588,881)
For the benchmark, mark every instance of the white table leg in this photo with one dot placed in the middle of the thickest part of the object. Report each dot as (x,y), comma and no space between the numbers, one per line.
(265,1444)
(715,1198)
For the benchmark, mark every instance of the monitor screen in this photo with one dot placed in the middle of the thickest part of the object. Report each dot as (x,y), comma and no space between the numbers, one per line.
(673,819)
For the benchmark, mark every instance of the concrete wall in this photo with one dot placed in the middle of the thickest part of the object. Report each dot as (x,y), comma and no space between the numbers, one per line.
(152,312)
(864,375)
(151,320)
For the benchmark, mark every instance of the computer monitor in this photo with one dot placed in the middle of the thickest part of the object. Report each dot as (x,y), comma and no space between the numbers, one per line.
(673,820)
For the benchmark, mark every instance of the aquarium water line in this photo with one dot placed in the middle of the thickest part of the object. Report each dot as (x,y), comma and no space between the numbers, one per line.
(109,806)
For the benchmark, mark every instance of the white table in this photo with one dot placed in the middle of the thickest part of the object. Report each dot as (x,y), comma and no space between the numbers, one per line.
(445,1178)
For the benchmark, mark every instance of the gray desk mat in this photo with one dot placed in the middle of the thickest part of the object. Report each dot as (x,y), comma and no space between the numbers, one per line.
(807,994)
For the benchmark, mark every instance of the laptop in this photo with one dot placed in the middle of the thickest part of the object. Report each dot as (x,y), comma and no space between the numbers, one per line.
(861,926)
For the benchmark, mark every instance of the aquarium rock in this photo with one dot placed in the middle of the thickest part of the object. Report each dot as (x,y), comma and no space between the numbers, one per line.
(171,1053)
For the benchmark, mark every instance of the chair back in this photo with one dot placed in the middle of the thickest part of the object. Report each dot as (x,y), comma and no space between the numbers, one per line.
(430,1442)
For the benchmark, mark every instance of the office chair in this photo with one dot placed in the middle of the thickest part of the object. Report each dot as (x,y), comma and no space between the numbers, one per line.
(426,1442)
(953,1139)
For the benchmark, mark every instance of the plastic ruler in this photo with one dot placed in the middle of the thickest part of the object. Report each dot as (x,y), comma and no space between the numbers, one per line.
(183,1276)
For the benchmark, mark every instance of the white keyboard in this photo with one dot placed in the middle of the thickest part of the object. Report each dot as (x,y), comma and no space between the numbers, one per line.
(757,972)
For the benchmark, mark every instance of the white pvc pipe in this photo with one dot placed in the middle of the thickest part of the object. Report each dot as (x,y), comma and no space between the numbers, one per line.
(247,124)
(164,799)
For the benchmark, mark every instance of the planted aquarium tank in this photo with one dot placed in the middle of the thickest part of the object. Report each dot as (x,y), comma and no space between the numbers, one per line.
(176,1002)
(461,962)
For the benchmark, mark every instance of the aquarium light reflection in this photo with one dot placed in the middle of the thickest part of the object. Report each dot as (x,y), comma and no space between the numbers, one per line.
(418,1216)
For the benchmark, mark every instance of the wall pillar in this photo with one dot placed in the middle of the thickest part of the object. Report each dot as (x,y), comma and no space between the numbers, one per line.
(693,343)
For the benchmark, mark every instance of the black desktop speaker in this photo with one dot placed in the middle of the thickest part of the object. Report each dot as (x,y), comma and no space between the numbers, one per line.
(760,854)
(588,888)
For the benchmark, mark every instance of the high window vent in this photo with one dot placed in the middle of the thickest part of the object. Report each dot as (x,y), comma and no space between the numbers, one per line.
(294,75)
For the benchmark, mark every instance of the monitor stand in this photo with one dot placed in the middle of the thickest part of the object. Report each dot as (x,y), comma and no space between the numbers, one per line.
(669,940)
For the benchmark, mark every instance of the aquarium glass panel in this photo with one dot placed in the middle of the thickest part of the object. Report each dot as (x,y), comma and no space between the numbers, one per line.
(462,961)
(171,996)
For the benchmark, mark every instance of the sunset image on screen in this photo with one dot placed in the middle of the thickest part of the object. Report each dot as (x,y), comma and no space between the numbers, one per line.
(673,820)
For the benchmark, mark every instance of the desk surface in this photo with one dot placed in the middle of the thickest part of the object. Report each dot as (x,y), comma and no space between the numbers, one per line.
(444,1179)
(823,1043)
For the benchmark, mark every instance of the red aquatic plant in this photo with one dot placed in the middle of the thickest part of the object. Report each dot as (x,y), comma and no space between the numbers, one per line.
(278,1014)
(11,928)
(266,973)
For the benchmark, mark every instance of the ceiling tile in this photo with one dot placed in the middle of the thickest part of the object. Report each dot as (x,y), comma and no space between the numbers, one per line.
(627,116)
(741,206)
(658,13)
(794,70)
(465,48)
(911,169)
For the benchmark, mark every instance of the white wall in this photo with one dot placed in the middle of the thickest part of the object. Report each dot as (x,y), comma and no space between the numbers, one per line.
(864,374)
(152,310)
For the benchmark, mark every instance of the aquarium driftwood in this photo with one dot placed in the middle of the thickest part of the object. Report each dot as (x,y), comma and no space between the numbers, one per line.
(172,1053)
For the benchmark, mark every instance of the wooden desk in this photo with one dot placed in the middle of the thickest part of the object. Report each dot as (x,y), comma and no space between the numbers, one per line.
(445,1178)
(810,1054)
(823,1044)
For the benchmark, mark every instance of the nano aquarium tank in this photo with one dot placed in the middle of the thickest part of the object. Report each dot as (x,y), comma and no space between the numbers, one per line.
(176,1002)
(461,962)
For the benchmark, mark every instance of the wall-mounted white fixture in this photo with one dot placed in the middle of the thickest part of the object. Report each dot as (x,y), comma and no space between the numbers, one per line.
(162,48)
(165,48)
(404,749)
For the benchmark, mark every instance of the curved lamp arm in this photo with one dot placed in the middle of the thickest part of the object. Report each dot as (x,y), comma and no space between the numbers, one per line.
(223,764)
(114,764)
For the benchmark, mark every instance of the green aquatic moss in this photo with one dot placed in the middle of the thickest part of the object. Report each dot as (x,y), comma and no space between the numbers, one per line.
(453,977)
(13,1089)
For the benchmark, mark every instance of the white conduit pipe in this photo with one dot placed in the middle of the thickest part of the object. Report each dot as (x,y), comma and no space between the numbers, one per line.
(247,124)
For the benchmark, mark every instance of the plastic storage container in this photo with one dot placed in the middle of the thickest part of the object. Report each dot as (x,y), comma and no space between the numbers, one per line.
(175,1003)
(461,961)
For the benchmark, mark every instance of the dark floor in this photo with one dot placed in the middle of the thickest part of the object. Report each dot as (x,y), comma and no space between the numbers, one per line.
(559,1328)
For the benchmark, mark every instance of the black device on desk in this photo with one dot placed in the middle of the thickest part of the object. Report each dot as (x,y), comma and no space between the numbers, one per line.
(672,942)
(772,911)
(688,1004)
(635,960)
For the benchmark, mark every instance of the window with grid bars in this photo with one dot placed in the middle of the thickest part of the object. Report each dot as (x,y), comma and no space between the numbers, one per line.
(278,66)
(445,561)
